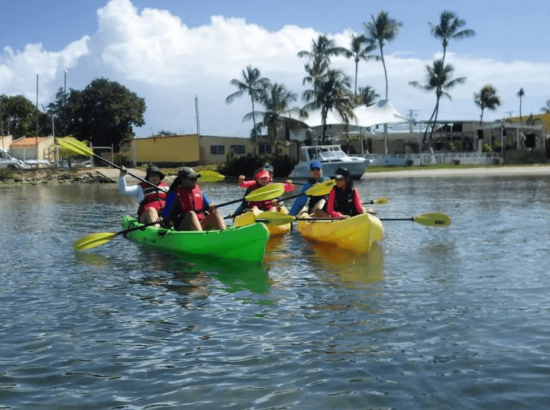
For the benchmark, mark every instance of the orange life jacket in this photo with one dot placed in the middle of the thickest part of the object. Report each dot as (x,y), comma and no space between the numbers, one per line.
(154,198)
(191,200)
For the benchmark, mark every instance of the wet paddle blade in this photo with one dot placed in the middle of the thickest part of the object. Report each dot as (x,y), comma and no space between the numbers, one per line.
(433,219)
(380,201)
(211,176)
(93,240)
(275,218)
(321,189)
(266,193)
(74,145)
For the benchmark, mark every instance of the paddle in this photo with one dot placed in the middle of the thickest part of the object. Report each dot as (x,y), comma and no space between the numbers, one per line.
(97,239)
(216,176)
(429,219)
(379,201)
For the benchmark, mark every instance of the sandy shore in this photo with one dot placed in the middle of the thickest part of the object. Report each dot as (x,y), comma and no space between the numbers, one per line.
(473,172)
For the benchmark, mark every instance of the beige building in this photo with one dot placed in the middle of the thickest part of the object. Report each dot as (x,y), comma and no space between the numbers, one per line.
(27,148)
(176,150)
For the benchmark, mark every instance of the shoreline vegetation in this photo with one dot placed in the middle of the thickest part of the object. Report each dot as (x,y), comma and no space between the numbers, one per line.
(99,175)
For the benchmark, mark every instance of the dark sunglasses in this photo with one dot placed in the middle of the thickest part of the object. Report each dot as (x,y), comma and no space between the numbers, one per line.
(315,169)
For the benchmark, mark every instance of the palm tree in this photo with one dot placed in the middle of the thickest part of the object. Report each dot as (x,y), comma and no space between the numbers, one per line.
(254,85)
(547,108)
(438,79)
(380,31)
(520,94)
(359,53)
(332,93)
(448,29)
(277,104)
(487,99)
(322,50)
(367,96)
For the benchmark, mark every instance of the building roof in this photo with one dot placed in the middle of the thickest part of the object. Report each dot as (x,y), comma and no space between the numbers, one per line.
(27,142)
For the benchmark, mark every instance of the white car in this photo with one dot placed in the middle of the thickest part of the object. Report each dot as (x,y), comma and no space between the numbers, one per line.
(7,161)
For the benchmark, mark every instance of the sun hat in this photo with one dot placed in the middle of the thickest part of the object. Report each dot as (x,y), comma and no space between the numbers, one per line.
(262,174)
(153,169)
(315,164)
(186,172)
(342,173)
(268,167)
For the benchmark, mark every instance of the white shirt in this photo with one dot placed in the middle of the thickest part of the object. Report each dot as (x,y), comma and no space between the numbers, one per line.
(134,191)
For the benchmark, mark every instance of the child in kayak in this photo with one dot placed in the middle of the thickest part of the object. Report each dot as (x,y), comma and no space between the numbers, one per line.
(315,202)
(189,208)
(343,200)
(151,198)
(262,177)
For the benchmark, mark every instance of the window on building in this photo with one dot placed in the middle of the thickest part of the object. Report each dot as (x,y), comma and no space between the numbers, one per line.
(265,148)
(217,149)
(238,149)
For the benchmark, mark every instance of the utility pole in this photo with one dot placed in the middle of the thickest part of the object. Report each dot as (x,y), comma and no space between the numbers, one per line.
(411,119)
(36,137)
(197,115)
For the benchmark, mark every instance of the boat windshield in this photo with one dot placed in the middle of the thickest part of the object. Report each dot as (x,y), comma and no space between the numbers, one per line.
(326,153)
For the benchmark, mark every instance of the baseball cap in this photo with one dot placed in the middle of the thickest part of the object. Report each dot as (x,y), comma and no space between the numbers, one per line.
(341,173)
(315,164)
(262,174)
(187,172)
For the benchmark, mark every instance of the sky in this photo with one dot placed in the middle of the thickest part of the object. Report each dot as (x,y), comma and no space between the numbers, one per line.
(170,51)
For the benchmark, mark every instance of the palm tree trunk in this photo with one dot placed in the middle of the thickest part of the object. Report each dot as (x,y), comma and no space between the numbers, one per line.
(356,68)
(427,127)
(324,114)
(481,118)
(436,112)
(386,77)
(253,116)
(520,118)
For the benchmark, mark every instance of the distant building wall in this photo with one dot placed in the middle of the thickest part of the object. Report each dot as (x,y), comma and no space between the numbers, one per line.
(167,150)
(26,148)
(5,142)
(214,149)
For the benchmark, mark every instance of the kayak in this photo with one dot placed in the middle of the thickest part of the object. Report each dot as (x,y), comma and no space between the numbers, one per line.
(247,243)
(249,217)
(355,234)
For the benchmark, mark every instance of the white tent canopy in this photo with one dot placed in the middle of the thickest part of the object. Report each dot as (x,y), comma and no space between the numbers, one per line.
(380,113)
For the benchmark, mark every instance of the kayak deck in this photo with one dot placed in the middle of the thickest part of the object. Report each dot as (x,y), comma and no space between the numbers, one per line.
(356,234)
(249,217)
(246,243)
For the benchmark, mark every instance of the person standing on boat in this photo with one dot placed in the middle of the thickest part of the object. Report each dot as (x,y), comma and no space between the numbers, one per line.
(262,177)
(344,200)
(151,198)
(315,202)
(190,208)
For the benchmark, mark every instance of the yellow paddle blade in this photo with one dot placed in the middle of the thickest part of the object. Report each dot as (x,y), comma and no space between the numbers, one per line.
(433,219)
(75,146)
(265,193)
(380,201)
(93,240)
(211,176)
(275,218)
(63,143)
(321,189)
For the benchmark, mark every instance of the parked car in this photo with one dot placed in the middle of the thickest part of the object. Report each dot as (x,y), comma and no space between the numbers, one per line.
(7,161)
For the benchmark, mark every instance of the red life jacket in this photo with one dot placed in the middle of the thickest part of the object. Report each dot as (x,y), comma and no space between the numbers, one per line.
(191,200)
(154,198)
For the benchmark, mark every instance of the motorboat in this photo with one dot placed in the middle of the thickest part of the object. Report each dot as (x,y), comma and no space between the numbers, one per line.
(331,157)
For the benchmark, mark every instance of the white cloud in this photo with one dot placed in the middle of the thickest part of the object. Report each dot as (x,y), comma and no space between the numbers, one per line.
(156,55)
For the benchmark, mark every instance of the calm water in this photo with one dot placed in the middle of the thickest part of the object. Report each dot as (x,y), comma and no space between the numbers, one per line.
(455,318)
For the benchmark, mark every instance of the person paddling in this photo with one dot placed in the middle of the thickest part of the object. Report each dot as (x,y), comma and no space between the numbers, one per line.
(343,200)
(191,209)
(151,199)
(315,202)
(262,177)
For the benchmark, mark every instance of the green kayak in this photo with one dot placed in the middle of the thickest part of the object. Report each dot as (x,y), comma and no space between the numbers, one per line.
(246,243)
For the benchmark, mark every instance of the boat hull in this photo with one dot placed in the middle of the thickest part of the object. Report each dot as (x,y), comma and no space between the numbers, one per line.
(356,168)
(355,234)
(250,217)
(246,244)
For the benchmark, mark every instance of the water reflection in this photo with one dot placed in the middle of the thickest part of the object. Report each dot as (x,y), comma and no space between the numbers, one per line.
(350,268)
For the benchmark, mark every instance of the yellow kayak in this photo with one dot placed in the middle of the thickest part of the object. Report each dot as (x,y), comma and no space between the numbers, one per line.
(355,234)
(249,218)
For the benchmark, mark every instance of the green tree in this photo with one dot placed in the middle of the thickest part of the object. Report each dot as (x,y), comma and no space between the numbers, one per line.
(18,116)
(57,108)
(358,52)
(547,108)
(276,101)
(520,94)
(487,99)
(438,79)
(104,113)
(449,28)
(254,85)
(333,93)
